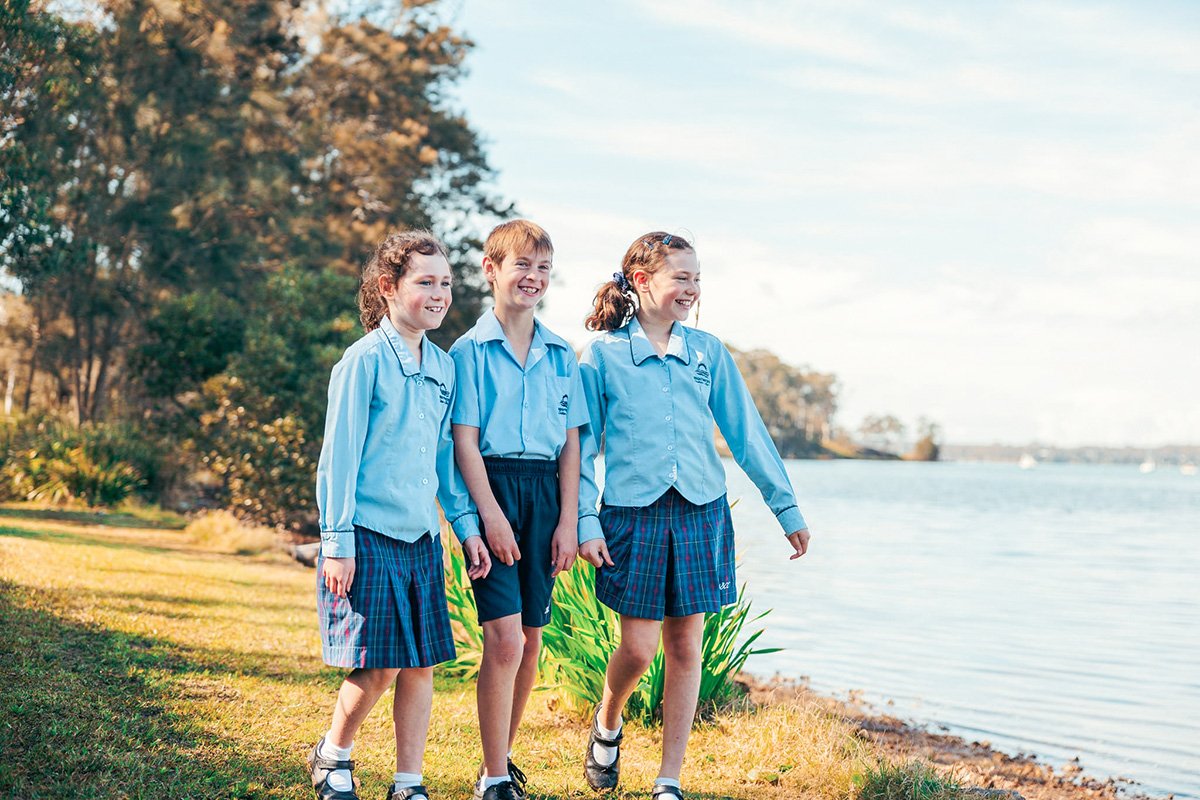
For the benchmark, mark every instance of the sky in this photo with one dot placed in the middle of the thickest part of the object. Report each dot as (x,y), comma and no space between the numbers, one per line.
(987,214)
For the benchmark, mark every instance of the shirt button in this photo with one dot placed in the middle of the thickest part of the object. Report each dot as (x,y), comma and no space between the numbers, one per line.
(422,449)
(670,447)
(668,417)
(421,415)
(666,388)
(424,480)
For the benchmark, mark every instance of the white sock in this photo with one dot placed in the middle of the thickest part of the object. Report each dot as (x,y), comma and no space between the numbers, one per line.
(605,755)
(487,782)
(661,781)
(339,779)
(402,780)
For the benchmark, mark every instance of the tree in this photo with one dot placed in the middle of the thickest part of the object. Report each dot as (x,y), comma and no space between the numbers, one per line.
(881,431)
(797,404)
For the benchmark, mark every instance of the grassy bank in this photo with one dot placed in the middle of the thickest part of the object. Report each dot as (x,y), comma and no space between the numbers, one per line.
(138,664)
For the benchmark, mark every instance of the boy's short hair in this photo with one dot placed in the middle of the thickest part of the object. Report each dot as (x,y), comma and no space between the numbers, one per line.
(516,236)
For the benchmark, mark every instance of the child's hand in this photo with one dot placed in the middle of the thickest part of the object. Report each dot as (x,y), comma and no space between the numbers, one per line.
(595,552)
(501,539)
(479,563)
(798,540)
(563,547)
(338,574)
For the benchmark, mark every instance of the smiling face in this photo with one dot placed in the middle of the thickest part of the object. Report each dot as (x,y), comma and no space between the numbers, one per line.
(419,300)
(520,280)
(668,294)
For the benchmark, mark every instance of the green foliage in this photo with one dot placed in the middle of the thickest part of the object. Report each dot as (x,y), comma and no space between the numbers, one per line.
(188,340)
(797,404)
(911,780)
(54,461)
(583,633)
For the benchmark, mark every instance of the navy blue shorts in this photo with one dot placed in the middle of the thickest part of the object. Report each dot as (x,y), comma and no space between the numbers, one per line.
(395,615)
(671,558)
(527,491)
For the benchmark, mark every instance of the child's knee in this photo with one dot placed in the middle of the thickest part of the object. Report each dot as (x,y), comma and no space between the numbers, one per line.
(533,643)
(377,680)
(683,646)
(503,641)
(640,653)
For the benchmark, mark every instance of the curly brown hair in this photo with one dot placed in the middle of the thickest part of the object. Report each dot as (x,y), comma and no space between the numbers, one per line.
(392,257)
(616,304)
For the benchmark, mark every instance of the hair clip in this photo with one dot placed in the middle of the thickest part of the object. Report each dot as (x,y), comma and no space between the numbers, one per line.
(621,281)
(667,239)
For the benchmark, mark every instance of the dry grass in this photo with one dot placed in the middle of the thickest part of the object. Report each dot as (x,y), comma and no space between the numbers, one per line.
(222,532)
(143,665)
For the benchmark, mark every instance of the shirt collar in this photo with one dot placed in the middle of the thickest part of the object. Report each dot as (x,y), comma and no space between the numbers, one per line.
(641,348)
(430,366)
(488,329)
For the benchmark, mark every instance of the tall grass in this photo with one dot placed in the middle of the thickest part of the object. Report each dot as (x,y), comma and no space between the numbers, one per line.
(583,633)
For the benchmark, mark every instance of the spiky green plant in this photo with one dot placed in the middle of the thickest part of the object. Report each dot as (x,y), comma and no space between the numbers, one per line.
(583,633)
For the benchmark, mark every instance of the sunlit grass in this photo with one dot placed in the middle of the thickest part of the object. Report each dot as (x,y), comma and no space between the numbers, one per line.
(137,664)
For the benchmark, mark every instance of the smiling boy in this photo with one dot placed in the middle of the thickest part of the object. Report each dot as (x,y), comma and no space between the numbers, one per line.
(516,420)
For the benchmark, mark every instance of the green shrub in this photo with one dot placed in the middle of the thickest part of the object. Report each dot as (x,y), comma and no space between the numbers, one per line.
(222,532)
(583,633)
(51,460)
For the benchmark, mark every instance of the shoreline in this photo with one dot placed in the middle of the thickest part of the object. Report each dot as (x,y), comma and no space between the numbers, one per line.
(975,764)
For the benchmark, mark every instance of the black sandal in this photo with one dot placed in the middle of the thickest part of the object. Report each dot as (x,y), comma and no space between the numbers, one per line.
(666,792)
(598,775)
(409,792)
(319,768)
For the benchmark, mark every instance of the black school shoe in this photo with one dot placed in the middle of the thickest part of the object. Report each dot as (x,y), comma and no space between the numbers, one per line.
(501,791)
(319,768)
(514,774)
(599,776)
(664,791)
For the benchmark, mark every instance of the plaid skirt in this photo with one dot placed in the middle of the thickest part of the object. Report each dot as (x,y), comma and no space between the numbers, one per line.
(395,615)
(670,558)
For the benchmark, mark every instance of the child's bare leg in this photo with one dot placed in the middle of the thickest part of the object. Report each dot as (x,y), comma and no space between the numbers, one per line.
(359,693)
(682,642)
(526,678)
(494,689)
(631,659)
(410,715)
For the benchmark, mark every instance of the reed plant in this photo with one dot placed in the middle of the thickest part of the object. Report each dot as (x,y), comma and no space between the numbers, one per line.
(583,633)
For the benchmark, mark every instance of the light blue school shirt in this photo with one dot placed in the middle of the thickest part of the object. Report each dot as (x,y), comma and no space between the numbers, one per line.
(521,412)
(656,415)
(388,452)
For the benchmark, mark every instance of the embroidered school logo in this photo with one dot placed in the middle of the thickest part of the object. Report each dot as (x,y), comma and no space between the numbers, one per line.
(724,585)
(444,395)
(562,406)
(701,375)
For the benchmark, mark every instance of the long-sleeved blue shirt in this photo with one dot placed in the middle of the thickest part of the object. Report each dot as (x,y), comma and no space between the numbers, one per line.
(656,417)
(388,453)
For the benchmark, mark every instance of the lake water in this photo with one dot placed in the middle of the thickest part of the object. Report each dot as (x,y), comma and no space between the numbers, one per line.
(1053,611)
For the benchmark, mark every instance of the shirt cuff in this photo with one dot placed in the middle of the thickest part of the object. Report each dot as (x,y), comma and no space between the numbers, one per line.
(465,527)
(589,528)
(791,520)
(337,544)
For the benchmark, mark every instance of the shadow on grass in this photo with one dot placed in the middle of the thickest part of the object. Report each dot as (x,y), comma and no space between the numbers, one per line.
(150,518)
(87,714)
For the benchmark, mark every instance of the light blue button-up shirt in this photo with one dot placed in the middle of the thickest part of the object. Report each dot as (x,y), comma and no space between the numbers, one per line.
(388,452)
(656,415)
(521,412)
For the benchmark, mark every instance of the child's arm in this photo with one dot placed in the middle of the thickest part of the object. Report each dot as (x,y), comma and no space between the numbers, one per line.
(736,415)
(351,384)
(455,499)
(592,547)
(496,527)
(565,544)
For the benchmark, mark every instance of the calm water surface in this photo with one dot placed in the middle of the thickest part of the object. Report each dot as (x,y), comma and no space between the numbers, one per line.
(1053,611)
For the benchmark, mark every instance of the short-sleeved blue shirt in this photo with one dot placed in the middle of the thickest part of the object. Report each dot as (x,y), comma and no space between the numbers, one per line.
(656,414)
(388,452)
(521,412)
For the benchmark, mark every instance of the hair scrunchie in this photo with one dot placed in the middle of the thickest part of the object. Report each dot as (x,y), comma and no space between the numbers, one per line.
(621,281)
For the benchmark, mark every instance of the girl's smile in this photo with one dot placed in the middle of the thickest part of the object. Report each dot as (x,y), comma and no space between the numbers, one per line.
(668,294)
(419,300)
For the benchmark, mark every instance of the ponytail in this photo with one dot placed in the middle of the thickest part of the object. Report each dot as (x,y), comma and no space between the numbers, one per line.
(613,307)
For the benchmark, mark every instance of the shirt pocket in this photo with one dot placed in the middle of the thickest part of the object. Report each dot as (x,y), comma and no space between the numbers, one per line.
(558,395)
